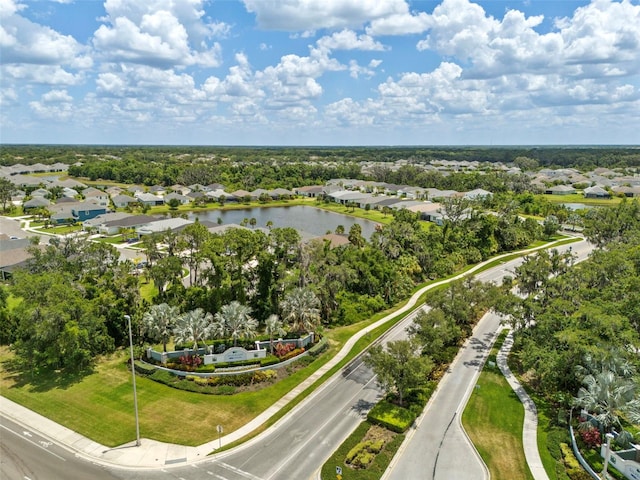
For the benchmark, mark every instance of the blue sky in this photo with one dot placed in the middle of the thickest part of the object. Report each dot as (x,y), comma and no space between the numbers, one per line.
(320,72)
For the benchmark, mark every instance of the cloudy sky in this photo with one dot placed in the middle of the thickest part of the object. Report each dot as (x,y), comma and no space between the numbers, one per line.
(320,72)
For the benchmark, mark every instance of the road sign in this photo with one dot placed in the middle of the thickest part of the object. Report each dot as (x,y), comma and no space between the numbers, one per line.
(338,470)
(219,428)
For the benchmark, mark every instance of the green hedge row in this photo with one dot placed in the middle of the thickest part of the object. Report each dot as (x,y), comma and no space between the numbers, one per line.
(395,418)
(573,468)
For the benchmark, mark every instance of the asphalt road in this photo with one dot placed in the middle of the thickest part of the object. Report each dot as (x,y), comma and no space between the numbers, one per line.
(301,442)
(438,449)
(27,455)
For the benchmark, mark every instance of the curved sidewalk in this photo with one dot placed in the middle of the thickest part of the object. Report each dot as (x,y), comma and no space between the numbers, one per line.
(530,425)
(153,454)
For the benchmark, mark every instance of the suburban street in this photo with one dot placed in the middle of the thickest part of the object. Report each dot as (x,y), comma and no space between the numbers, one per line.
(438,449)
(299,444)
(26,454)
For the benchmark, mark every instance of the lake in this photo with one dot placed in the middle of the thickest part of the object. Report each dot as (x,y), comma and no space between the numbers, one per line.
(309,221)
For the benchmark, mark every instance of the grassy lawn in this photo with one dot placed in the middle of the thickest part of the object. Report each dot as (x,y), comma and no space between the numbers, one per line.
(493,420)
(62,230)
(579,198)
(375,470)
(166,414)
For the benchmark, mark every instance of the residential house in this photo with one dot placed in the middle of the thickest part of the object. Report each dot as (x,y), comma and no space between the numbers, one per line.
(40,192)
(98,223)
(14,254)
(85,210)
(69,192)
(111,227)
(183,199)
(181,189)
(334,240)
(149,199)
(281,193)
(35,203)
(158,190)
(242,194)
(560,190)
(477,194)
(595,192)
(630,192)
(69,183)
(113,191)
(310,191)
(159,226)
(96,196)
(123,201)
(218,193)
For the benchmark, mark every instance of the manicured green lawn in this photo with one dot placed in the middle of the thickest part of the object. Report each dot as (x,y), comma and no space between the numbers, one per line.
(579,198)
(166,414)
(62,230)
(493,420)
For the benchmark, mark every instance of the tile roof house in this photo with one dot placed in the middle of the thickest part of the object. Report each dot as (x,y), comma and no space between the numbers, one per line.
(123,201)
(595,192)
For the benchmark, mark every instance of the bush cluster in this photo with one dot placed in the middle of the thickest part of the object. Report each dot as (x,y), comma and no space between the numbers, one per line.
(573,468)
(393,417)
(239,380)
(292,353)
(364,453)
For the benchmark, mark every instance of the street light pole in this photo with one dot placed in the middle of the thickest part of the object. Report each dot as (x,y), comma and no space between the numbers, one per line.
(133,376)
(607,455)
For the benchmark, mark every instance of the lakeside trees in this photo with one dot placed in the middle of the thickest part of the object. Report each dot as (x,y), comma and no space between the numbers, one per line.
(580,313)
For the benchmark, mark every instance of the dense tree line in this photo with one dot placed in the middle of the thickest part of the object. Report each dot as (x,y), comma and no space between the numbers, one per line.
(573,317)
(583,158)
(256,268)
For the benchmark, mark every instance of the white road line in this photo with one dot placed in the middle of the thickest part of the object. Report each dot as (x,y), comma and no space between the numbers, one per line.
(32,442)
(240,472)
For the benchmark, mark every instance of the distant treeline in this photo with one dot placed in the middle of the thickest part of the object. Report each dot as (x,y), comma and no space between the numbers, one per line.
(583,158)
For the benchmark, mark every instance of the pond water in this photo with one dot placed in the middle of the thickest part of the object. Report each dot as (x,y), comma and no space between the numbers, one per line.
(309,221)
(577,206)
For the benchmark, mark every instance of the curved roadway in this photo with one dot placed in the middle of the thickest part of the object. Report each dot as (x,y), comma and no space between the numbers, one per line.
(299,444)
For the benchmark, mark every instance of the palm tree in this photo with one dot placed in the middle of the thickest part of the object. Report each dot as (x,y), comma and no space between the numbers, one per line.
(609,390)
(193,326)
(300,309)
(159,322)
(273,326)
(235,320)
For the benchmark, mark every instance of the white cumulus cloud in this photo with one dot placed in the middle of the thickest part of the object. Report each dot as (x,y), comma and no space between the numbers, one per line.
(309,15)
(158,33)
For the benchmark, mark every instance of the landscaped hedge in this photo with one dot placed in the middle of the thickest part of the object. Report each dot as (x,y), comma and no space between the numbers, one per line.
(374,471)
(363,453)
(393,417)
(573,468)
(144,368)
(319,347)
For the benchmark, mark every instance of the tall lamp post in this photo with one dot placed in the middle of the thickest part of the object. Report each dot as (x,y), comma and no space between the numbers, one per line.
(607,455)
(133,376)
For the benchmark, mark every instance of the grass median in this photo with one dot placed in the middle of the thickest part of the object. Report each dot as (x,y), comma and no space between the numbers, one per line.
(493,420)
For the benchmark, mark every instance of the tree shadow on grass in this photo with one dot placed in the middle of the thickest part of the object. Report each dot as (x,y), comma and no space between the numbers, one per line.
(43,380)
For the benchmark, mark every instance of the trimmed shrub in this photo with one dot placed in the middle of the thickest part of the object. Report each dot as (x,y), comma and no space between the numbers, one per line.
(319,348)
(363,453)
(292,353)
(573,468)
(393,417)
(144,369)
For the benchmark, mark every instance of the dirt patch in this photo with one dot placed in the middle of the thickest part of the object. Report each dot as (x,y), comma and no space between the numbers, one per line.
(376,432)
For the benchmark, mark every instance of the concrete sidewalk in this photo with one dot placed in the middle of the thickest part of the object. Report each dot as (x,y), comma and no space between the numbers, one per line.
(153,454)
(530,425)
